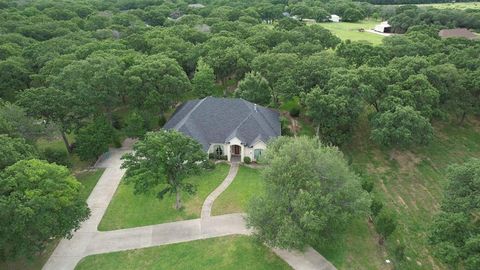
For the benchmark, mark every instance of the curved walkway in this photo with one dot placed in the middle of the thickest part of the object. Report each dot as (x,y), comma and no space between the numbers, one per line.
(208,203)
(89,241)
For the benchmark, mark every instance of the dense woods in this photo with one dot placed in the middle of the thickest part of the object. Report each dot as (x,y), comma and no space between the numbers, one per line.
(92,72)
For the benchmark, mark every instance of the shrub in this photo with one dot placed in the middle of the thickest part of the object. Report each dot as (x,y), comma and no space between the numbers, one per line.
(367,184)
(161,121)
(211,155)
(294,112)
(57,156)
(247,160)
(209,165)
(385,223)
(284,126)
(376,206)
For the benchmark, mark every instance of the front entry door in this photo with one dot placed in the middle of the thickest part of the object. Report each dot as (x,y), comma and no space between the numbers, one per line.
(236,150)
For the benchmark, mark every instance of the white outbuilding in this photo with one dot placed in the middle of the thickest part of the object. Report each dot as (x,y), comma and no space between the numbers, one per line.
(335,18)
(383,27)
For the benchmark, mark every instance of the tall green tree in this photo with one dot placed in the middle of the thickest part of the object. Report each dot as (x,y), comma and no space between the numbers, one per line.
(53,106)
(14,76)
(254,88)
(402,127)
(38,202)
(203,82)
(167,157)
(156,83)
(13,150)
(455,232)
(310,193)
(333,114)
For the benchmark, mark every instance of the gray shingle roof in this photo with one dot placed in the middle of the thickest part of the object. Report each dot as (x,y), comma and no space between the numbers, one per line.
(218,120)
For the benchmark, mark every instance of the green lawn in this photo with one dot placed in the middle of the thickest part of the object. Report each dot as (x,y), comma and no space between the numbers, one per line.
(89,180)
(233,252)
(346,30)
(77,164)
(128,210)
(247,184)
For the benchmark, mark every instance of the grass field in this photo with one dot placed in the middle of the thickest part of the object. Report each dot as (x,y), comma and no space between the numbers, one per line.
(247,184)
(127,210)
(234,252)
(410,182)
(459,5)
(345,30)
(89,180)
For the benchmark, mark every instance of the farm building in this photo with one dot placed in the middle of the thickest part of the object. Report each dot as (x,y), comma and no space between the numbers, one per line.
(335,18)
(383,27)
(457,33)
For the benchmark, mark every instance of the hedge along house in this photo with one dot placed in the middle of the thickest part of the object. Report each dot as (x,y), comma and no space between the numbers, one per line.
(229,127)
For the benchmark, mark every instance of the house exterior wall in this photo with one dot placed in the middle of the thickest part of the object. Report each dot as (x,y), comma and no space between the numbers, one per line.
(244,151)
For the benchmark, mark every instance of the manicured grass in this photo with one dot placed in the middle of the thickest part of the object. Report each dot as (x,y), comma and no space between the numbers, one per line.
(89,180)
(234,252)
(346,30)
(128,210)
(247,184)
(410,183)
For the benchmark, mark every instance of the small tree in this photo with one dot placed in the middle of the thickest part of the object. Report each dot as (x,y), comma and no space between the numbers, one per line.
(164,157)
(38,201)
(310,193)
(254,88)
(204,80)
(385,223)
(455,233)
(94,139)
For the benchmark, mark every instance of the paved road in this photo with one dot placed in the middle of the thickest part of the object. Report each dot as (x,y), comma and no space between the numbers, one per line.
(88,240)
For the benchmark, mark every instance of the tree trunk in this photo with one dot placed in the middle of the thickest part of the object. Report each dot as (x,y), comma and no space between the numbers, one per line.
(376,106)
(178,202)
(65,140)
(464,114)
(317,131)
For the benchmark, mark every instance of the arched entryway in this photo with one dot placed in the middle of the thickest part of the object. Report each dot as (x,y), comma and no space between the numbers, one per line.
(235,152)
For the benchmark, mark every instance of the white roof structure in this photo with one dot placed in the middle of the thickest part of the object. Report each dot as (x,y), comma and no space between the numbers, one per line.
(335,18)
(383,27)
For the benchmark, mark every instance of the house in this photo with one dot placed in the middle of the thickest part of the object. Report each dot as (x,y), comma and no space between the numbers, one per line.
(230,127)
(335,18)
(196,6)
(457,33)
(383,27)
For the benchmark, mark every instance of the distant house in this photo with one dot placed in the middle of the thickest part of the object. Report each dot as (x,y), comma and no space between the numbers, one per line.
(195,6)
(334,18)
(383,27)
(230,127)
(457,33)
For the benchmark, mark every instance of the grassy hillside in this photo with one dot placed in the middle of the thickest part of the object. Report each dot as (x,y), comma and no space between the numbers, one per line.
(410,182)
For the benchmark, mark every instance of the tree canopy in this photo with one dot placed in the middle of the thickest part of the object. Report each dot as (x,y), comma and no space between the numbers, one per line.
(38,201)
(310,193)
(166,157)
